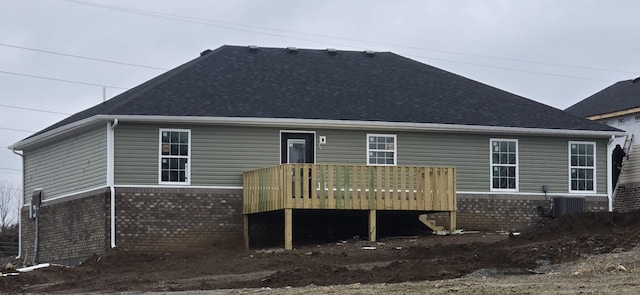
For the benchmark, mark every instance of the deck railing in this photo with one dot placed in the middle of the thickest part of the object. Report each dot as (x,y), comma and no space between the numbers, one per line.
(357,187)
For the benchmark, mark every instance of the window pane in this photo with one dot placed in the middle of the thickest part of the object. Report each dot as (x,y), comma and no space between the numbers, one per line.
(165,137)
(184,150)
(175,137)
(173,175)
(184,137)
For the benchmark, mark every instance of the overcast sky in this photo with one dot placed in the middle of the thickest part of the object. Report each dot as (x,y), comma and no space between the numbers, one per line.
(554,52)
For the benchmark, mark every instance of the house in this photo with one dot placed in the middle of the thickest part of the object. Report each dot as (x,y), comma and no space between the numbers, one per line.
(619,106)
(166,165)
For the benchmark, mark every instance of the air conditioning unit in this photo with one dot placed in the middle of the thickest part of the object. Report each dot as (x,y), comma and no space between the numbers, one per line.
(567,206)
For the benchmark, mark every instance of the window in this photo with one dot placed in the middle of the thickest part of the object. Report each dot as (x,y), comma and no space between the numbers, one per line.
(504,164)
(637,118)
(582,164)
(175,152)
(381,149)
(621,121)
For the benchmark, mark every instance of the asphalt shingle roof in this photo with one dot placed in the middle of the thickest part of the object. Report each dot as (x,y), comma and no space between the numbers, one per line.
(620,96)
(235,81)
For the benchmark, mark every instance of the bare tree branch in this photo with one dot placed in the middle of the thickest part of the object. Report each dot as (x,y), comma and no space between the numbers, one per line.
(10,200)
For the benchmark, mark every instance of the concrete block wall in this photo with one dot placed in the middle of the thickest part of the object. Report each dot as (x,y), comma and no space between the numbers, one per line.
(627,197)
(178,219)
(70,230)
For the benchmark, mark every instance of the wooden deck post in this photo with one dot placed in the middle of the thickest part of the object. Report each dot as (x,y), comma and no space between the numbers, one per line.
(452,222)
(246,231)
(372,225)
(288,229)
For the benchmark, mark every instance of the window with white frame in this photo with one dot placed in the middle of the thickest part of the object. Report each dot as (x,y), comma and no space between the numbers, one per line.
(582,166)
(504,164)
(174,158)
(382,149)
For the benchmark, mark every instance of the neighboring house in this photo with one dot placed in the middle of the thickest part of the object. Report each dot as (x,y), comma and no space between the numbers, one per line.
(160,167)
(619,106)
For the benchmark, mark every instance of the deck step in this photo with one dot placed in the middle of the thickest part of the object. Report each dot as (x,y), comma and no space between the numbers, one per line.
(430,223)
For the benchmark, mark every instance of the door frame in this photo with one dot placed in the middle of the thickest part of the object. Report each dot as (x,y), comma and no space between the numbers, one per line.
(313,133)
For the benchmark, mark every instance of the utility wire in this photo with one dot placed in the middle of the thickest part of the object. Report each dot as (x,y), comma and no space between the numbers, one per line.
(512,69)
(209,22)
(10,188)
(13,129)
(61,80)
(191,20)
(11,169)
(31,109)
(82,57)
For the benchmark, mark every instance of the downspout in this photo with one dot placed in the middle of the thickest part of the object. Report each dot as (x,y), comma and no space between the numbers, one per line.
(609,173)
(110,179)
(20,211)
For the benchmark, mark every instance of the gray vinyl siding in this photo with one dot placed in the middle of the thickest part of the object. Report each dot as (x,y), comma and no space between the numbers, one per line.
(219,155)
(72,164)
(136,150)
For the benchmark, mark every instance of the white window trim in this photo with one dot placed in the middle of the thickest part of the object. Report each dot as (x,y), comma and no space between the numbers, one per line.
(395,148)
(595,170)
(491,165)
(188,157)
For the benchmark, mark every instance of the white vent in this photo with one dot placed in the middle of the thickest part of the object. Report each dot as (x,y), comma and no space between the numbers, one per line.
(332,51)
(292,50)
(253,48)
(369,53)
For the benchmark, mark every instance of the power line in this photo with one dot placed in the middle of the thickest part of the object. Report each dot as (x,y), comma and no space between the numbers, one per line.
(10,188)
(512,69)
(82,57)
(209,22)
(61,80)
(11,169)
(20,130)
(191,20)
(31,109)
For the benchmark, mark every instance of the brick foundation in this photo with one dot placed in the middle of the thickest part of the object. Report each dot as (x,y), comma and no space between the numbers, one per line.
(178,219)
(69,231)
(190,220)
(627,197)
(507,212)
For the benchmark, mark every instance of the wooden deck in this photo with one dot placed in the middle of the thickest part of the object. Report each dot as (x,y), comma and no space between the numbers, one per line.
(349,187)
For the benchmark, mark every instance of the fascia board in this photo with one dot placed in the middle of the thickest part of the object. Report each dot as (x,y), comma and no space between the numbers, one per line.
(315,123)
(377,125)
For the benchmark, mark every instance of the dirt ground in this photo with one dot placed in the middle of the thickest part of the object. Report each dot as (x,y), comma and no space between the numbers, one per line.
(591,253)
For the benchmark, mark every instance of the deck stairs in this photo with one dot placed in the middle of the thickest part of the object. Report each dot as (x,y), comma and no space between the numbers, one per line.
(431,223)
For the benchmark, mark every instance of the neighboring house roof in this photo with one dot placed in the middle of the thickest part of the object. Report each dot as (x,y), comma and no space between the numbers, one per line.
(621,96)
(251,82)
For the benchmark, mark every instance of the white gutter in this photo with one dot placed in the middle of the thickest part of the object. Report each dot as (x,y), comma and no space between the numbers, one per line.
(110,178)
(20,211)
(313,123)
